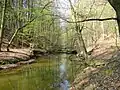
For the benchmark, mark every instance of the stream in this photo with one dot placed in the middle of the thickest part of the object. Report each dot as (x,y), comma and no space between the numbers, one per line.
(54,72)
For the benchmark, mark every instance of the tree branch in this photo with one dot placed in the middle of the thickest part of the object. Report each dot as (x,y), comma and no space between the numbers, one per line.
(88,20)
(16,31)
(46,6)
(85,20)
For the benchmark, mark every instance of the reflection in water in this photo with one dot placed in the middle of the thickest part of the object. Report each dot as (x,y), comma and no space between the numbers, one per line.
(48,73)
(64,84)
(62,71)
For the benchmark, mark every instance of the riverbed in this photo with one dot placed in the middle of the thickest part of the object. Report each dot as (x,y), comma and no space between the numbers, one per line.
(45,74)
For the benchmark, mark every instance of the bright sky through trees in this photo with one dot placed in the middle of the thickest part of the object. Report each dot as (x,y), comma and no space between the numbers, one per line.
(63,7)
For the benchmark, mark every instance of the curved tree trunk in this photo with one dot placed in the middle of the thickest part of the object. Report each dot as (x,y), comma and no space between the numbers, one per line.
(116,6)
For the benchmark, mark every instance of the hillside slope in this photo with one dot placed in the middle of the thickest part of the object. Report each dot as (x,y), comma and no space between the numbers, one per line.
(101,76)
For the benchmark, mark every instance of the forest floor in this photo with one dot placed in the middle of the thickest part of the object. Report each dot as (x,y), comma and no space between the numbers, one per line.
(107,48)
(103,76)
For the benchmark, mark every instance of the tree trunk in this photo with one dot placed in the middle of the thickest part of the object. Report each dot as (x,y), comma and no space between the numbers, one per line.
(81,43)
(118,21)
(2,23)
(16,31)
(116,6)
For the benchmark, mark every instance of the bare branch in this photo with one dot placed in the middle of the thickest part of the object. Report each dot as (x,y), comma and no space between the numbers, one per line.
(46,6)
(86,20)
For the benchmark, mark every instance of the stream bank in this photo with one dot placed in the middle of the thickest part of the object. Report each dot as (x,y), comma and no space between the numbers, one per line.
(15,58)
(42,75)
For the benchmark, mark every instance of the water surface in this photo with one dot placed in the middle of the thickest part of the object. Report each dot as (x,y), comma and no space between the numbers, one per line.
(47,74)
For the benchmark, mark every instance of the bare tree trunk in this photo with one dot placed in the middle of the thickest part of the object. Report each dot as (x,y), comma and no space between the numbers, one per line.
(116,6)
(2,23)
(81,43)
(82,46)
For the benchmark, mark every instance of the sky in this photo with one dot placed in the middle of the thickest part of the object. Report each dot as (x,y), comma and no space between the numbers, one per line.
(63,7)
